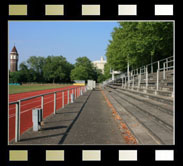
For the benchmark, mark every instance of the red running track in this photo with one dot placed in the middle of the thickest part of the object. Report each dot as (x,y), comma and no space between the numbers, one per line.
(27,106)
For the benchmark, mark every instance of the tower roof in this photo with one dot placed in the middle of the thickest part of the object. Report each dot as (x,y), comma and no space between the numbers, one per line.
(14,50)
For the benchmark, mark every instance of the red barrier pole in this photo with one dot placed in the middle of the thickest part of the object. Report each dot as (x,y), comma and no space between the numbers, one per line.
(63,99)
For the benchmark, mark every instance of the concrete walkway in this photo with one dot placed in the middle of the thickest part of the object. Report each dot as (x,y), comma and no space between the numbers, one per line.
(88,120)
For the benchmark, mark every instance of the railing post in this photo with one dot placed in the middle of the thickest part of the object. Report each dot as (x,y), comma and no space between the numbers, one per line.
(133,81)
(158,65)
(72,96)
(55,102)
(139,79)
(42,105)
(75,93)
(63,99)
(81,90)
(125,81)
(166,63)
(146,77)
(164,71)
(122,82)
(151,68)
(128,70)
(17,122)
(68,96)
(157,84)
(173,92)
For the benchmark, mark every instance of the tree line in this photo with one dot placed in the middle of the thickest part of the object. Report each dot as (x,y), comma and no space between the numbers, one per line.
(138,43)
(55,69)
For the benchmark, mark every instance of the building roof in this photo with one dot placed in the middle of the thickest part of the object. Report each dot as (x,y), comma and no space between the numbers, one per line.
(14,50)
(101,61)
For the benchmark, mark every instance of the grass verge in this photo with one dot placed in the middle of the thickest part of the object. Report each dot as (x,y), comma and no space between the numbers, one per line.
(33,87)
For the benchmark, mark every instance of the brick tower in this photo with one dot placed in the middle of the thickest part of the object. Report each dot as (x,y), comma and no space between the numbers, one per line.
(13,60)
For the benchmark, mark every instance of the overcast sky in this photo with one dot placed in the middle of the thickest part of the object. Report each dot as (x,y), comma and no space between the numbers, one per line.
(66,38)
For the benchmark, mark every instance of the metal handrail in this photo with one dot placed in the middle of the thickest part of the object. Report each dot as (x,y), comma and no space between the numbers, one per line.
(143,69)
(44,94)
(18,104)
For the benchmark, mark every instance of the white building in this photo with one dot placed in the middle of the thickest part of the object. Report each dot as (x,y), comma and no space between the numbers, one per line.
(100,64)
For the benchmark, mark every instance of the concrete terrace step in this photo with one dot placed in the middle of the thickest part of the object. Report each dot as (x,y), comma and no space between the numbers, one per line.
(165,87)
(139,131)
(156,104)
(161,80)
(158,124)
(163,90)
(159,116)
(163,99)
(149,110)
(155,78)
(155,92)
(153,82)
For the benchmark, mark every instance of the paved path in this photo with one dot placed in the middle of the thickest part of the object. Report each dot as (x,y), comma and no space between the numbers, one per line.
(86,121)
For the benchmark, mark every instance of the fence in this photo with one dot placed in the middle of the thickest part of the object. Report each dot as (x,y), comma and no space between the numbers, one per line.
(20,112)
(128,78)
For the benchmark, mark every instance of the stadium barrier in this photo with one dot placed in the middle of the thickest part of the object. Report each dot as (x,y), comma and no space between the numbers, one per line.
(158,66)
(16,128)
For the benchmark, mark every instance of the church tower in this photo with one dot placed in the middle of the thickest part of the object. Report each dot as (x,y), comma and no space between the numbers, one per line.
(13,60)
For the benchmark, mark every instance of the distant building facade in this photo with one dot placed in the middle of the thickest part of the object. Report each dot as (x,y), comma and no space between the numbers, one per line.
(13,60)
(99,64)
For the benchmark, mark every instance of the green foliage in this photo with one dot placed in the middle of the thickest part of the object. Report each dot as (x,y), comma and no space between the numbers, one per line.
(99,76)
(33,87)
(83,70)
(139,43)
(27,75)
(40,69)
(107,71)
(36,64)
(57,69)
(14,77)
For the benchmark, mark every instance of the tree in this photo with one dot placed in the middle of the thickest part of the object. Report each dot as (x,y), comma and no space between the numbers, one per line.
(56,69)
(107,71)
(14,77)
(40,69)
(25,75)
(99,76)
(35,64)
(139,43)
(84,70)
